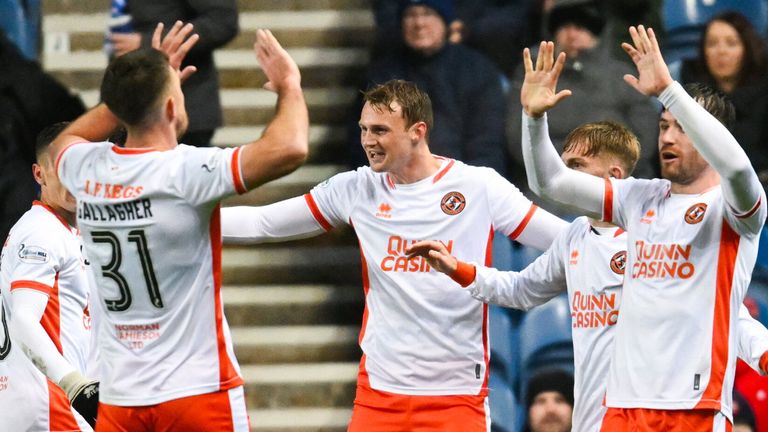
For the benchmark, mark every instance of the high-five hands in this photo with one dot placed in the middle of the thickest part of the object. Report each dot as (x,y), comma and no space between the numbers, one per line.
(282,72)
(538,93)
(176,44)
(653,73)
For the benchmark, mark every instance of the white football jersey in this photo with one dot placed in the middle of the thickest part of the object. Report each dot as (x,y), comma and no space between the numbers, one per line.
(150,224)
(689,262)
(589,263)
(25,393)
(44,253)
(421,335)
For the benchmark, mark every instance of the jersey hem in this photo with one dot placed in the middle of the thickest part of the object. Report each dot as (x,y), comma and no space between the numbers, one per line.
(457,391)
(117,400)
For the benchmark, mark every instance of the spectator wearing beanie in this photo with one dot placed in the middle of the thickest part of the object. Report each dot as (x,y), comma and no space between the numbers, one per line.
(549,401)
(464,86)
(599,90)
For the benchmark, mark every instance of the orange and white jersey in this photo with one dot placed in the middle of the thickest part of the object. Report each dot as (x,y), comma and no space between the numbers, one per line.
(421,335)
(689,262)
(150,225)
(44,253)
(30,401)
(589,263)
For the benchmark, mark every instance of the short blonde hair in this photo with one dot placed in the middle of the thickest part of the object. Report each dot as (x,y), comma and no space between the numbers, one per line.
(605,137)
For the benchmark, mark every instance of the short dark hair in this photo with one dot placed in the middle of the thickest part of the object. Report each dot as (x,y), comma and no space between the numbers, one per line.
(605,137)
(714,101)
(134,83)
(415,103)
(46,137)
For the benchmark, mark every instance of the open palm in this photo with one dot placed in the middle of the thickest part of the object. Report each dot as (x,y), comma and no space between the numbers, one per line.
(539,91)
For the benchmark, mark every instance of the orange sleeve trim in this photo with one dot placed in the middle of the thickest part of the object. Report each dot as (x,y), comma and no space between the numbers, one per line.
(520,228)
(30,284)
(465,274)
(752,210)
(316,212)
(608,201)
(764,362)
(61,153)
(237,176)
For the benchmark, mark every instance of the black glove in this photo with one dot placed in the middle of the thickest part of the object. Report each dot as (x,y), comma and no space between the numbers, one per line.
(83,393)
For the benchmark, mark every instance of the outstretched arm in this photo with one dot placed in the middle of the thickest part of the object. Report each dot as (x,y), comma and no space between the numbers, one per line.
(741,186)
(547,174)
(285,220)
(541,281)
(285,143)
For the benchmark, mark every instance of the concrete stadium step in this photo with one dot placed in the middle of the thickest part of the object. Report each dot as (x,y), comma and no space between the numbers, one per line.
(339,28)
(320,67)
(300,420)
(296,344)
(289,265)
(295,305)
(92,6)
(300,385)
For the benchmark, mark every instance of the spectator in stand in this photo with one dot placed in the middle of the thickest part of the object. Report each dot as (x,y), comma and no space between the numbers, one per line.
(216,23)
(733,59)
(30,100)
(465,87)
(549,401)
(589,70)
(743,417)
(20,20)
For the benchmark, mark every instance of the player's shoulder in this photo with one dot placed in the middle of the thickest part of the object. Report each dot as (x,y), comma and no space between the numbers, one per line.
(38,234)
(85,149)
(641,187)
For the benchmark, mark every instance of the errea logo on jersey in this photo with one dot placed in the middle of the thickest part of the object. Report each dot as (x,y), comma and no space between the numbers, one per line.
(396,261)
(648,218)
(384,211)
(662,260)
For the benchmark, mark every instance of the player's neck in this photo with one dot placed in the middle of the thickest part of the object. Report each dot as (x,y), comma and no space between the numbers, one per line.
(600,224)
(68,216)
(159,137)
(708,179)
(420,166)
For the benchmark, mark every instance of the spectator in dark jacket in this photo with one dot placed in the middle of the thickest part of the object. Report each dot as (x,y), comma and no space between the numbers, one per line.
(216,23)
(465,87)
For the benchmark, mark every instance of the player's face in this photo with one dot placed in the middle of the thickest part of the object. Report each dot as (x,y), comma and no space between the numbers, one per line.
(53,192)
(386,141)
(680,162)
(723,51)
(598,166)
(181,122)
(550,412)
(423,29)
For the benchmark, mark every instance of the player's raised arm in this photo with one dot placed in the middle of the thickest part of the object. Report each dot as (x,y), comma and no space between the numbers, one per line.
(753,342)
(284,145)
(547,175)
(290,219)
(710,137)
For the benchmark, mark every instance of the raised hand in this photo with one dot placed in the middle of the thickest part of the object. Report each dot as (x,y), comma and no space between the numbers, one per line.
(436,254)
(652,72)
(538,93)
(176,44)
(282,72)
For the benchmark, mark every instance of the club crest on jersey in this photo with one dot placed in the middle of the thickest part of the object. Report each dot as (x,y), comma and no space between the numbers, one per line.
(695,213)
(619,262)
(33,254)
(453,203)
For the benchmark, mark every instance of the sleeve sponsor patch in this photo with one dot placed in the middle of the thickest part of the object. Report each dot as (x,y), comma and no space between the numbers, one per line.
(33,254)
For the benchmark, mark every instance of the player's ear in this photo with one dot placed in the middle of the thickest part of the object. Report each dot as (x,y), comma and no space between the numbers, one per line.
(418,131)
(616,172)
(37,173)
(170,108)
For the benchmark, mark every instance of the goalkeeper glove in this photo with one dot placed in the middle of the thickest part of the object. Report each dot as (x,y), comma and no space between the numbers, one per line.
(83,393)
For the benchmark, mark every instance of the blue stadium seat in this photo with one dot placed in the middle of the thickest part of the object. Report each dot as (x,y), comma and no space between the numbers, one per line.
(545,339)
(684,21)
(762,252)
(504,359)
(502,404)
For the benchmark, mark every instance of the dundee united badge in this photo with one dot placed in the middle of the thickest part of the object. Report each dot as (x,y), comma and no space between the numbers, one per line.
(695,213)
(453,203)
(619,262)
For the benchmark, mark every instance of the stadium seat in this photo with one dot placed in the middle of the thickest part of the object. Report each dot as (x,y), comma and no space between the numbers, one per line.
(762,253)
(684,21)
(502,404)
(504,359)
(545,339)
